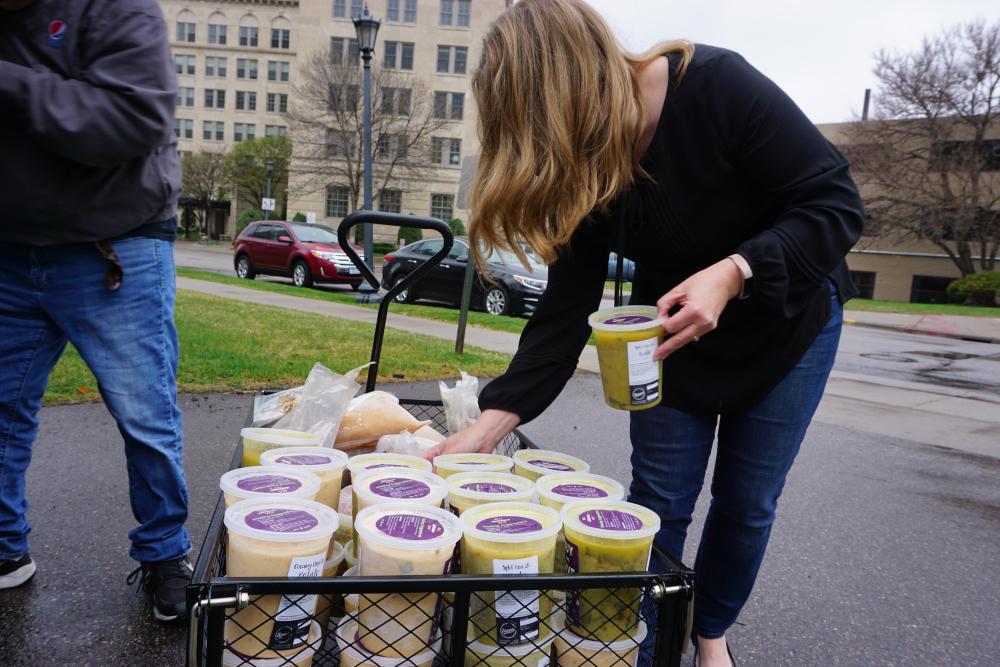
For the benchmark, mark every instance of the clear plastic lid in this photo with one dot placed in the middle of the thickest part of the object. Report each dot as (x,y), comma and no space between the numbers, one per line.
(351,553)
(348,642)
(490,486)
(546,462)
(611,519)
(625,318)
(281,520)
(621,647)
(281,437)
(400,484)
(408,526)
(269,482)
(313,459)
(232,658)
(510,522)
(566,487)
(473,462)
(362,463)
(512,651)
(334,557)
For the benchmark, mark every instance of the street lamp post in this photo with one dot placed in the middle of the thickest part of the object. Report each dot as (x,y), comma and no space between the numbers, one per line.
(366,28)
(270,174)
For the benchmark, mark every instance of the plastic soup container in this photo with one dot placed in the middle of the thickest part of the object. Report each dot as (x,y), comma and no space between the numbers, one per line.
(330,605)
(259,440)
(571,650)
(402,539)
(327,464)
(469,489)
(303,657)
(354,654)
(526,655)
(398,484)
(361,464)
(626,338)
(535,463)
(351,601)
(268,482)
(286,537)
(505,539)
(449,464)
(560,488)
(606,536)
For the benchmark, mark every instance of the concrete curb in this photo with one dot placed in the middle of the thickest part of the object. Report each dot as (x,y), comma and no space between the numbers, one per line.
(924,332)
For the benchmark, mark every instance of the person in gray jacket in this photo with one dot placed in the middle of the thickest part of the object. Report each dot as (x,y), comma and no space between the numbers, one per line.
(89,180)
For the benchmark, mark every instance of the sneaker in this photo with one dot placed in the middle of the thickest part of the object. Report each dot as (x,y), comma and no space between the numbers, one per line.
(165,582)
(13,573)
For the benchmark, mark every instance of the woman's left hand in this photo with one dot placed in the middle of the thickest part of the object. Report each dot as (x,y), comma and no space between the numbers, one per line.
(701,298)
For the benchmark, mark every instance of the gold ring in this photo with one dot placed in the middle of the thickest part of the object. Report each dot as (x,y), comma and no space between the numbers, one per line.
(695,339)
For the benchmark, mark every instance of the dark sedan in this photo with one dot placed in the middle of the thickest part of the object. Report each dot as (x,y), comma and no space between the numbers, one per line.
(513,289)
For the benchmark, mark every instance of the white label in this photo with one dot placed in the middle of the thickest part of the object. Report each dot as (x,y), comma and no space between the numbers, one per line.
(516,611)
(311,218)
(267,204)
(643,371)
(295,612)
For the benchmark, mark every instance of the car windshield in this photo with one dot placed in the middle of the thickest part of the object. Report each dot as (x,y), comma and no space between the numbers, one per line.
(509,258)
(315,234)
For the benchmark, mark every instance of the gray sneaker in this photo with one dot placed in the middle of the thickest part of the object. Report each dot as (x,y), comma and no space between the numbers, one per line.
(13,573)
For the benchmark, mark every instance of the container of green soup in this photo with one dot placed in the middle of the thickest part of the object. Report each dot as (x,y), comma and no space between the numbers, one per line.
(626,338)
(606,536)
(535,463)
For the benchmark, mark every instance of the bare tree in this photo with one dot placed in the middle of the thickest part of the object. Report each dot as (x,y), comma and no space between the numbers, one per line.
(326,122)
(929,163)
(203,179)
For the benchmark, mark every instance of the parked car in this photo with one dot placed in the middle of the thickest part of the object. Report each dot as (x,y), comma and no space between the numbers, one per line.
(628,268)
(308,253)
(513,289)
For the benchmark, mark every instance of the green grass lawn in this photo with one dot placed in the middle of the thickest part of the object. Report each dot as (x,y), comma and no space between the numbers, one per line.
(234,346)
(921,308)
(441,313)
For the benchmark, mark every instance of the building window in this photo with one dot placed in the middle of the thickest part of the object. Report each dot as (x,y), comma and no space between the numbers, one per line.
(277,70)
(337,198)
(275,131)
(340,8)
(185,31)
(962,155)
(398,55)
(446,151)
(396,101)
(339,145)
(183,128)
(246,69)
(865,282)
(248,35)
(452,59)
(443,207)
(213,130)
(184,64)
(280,38)
(215,98)
(449,106)
(929,289)
(460,18)
(390,201)
(246,100)
(344,97)
(243,131)
(216,33)
(344,51)
(185,96)
(409,11)
(389,146)
(277,102)
(215,66)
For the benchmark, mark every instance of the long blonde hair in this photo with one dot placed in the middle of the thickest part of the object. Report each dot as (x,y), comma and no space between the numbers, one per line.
(560,114)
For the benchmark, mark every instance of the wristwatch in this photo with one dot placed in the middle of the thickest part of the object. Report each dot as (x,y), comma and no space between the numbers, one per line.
(744,266)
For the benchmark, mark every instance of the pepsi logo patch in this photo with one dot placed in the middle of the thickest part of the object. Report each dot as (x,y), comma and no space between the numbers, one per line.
(57,30)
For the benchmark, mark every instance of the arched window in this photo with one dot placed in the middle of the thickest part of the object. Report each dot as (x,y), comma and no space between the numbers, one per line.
(281,33)
(248,30)
(185,26)
(217,28)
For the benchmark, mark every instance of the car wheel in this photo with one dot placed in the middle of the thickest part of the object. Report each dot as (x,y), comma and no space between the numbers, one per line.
(244,270)
(355,286)
(404,296)
(301,275)
(497,301)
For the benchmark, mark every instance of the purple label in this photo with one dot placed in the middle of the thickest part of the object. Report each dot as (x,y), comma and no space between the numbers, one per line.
(552,465)
(610,520)
(509,525)
(304,460)
(386,465)
(488,487)
(469,463)
(579,491)
(400,488)
(269,484)
(628,319)
(281,520)
(410,527)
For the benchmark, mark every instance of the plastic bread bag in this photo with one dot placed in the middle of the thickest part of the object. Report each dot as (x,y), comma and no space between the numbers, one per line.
(461,403)
(369,417)
(429,433)
(269,408)
(325,398)
(405,442)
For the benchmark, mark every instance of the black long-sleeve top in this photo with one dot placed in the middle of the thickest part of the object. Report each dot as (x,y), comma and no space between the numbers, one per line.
(735,167)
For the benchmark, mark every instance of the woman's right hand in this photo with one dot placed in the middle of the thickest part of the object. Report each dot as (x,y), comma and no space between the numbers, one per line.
(482,437)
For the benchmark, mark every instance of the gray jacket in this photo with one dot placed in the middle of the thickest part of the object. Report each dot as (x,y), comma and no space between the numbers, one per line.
(87,95)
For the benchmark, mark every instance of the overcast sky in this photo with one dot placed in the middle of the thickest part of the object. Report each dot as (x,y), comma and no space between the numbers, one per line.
(819,52)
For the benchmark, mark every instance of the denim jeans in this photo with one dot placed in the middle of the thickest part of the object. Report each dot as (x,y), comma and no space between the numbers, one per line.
(670,453)
(51,296)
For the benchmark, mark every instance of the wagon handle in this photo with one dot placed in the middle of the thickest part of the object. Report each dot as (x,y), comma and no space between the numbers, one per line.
(395,220)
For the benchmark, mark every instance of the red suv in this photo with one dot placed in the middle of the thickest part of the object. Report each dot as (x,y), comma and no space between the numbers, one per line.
(308,253)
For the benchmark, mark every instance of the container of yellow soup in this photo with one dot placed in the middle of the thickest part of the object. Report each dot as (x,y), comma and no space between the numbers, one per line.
(287,537)
(327,464)
(302,657)
(469,489)
(268,482)
(605,536)
(259,440)
(530,654)
(507,539)
(571,650)
(535,463)
(354,654)
(449,464)
(626,338)
(359,465)
(403,539)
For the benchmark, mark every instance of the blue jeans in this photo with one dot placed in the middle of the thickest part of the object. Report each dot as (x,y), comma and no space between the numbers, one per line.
(670,452)
(51,296)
